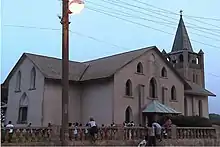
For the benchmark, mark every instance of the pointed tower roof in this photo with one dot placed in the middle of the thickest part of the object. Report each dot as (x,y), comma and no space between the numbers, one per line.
(181,41)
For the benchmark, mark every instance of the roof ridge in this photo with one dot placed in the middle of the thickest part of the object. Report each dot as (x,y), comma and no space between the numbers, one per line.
(118,54)
(50,57)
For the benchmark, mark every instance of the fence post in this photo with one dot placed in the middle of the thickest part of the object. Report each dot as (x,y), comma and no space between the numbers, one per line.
(217,131)
(173,132)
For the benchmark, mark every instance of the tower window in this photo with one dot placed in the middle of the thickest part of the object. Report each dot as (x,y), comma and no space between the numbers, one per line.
(181,58)
(197,60)
(194,78)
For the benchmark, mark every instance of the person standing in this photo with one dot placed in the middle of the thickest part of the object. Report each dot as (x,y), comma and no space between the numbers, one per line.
(152,137)
(158,130)
(10,130)
(93,128)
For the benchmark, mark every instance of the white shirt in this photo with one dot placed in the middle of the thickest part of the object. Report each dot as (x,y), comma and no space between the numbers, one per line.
(75,131)
(10,127)
(92,124)
(158,128)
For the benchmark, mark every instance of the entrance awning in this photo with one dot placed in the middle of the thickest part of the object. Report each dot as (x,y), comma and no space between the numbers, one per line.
(156,107)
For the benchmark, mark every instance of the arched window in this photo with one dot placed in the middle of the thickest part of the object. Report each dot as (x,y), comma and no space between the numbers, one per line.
(153,88)
(139,68)
(200,108)
(197,82)
(18,81)
(181,58)
(197,60)
(185,107)
(194,78)
(33,78)
(23,109)
(173,93)
(128,88)
(128,114)
(164,72)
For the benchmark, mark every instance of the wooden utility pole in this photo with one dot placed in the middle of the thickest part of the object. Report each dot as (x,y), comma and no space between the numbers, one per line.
(65,71)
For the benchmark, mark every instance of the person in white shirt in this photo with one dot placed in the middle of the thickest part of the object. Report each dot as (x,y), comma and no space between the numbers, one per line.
(93,128)
(158,130)
(75,131)
(10,127)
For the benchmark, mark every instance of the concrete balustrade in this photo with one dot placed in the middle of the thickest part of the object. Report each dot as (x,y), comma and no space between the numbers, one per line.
(111,135)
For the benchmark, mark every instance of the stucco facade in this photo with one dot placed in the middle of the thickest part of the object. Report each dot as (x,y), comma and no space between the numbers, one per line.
(35,97)
(151,69)
(110,89)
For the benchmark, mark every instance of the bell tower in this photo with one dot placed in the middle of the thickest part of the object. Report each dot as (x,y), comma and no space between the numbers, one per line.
(188,63)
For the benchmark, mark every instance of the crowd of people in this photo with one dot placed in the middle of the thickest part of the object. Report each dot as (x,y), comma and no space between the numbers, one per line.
(155,130)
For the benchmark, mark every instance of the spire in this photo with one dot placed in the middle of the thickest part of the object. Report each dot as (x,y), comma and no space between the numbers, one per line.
(181,41)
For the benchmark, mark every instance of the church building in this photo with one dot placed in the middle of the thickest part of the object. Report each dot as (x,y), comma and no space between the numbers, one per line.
(130,86)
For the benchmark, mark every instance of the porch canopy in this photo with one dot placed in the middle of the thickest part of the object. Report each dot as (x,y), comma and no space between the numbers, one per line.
(156,107)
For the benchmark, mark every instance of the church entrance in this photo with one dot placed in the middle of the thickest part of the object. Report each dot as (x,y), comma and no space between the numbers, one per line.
(128,115)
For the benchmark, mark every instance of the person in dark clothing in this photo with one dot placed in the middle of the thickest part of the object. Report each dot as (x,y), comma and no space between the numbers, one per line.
(93,128)
(152,135)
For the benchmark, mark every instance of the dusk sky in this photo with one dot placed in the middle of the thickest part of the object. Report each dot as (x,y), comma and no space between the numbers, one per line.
(115,26)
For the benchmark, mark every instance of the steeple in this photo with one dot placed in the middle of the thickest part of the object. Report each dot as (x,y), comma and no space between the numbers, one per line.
(181,41)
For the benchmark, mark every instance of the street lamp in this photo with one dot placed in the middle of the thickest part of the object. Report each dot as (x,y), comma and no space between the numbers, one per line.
(74,7)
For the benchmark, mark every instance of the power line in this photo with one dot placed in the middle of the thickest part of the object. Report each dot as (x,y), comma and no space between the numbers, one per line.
(121,13)
(33,27)
(145,9)
(214,75)
(148,26)
(170,12)
(77,33)
(93,38)
(153,16)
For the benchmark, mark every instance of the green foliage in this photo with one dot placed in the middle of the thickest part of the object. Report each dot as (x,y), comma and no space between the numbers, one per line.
(189,121)
(215,119)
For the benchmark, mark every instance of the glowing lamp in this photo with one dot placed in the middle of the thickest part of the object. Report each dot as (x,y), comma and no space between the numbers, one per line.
(76,6)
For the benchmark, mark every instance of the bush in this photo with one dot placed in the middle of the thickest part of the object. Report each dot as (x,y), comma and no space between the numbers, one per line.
(189,121)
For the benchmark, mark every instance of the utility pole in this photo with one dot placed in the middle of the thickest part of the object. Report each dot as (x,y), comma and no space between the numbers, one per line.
(65,71)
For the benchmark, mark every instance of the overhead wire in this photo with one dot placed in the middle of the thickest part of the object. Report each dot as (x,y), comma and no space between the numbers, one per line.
(117,3)
(148,26)
(122,13)
(73,32)
(187,16)
(170,12)
(77,33)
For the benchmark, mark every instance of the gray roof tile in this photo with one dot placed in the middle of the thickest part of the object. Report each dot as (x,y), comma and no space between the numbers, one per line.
(181,40)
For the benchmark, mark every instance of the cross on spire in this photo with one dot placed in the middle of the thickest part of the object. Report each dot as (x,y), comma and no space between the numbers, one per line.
(181,40)
(181,13)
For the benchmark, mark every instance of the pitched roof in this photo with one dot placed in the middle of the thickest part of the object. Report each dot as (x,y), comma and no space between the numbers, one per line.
(198,90)
(52,67)
(95,69)
(107,66)
(156,107)
(181,41)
